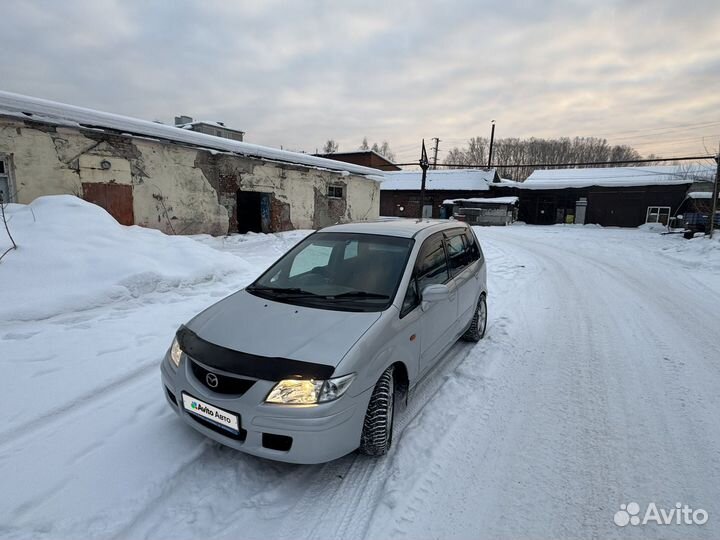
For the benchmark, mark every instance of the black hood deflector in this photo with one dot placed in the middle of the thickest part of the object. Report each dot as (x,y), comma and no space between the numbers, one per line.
(248,365)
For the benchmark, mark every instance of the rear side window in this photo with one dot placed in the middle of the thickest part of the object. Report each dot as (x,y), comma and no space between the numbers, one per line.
(432,264)
(457,254)
(473,249)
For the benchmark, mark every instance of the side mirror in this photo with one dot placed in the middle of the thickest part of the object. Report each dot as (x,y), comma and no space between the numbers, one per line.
(433,294)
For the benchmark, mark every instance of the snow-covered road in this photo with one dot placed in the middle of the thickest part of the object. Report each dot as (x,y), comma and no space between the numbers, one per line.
(597,385)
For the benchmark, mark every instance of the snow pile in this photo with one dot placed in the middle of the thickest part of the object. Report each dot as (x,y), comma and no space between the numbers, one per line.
(699,252)
(73,255)
(653,227)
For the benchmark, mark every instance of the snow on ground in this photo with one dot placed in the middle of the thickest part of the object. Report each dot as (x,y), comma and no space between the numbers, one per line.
(595,386)
(73,255)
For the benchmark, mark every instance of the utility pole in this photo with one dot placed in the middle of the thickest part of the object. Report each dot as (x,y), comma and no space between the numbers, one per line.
(437,144)
(492,139)
(424,164)
(715,195)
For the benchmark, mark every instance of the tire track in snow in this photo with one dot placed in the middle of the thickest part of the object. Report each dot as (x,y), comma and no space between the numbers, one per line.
(117,385)
(351,503)
(628,364)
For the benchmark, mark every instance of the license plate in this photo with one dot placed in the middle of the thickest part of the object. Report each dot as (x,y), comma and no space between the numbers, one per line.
(217,416)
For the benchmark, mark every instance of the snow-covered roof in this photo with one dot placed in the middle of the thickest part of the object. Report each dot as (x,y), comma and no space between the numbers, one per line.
(701,195)
(59,113)
(481,200)
(615,177)
(451,180)
(219,125)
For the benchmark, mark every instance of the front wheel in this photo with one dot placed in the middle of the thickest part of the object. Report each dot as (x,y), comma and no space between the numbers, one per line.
(479,322)
(378,425)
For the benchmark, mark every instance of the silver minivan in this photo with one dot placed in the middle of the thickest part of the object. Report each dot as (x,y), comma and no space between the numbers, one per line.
(306,364)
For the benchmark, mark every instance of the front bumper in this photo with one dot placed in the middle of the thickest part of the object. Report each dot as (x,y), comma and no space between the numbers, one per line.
(317,433)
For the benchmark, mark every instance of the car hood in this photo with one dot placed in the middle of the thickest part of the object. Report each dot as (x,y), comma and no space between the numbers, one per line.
(246,323)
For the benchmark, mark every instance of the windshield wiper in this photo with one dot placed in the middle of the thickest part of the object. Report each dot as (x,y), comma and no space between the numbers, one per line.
(285,291)
(361,294)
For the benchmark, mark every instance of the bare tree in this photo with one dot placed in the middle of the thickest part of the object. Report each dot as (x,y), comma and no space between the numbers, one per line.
(7,229)
(330,147)
(513,151)
(382,149)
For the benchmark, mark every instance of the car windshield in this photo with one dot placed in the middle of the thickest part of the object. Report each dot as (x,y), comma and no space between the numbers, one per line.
(342,271)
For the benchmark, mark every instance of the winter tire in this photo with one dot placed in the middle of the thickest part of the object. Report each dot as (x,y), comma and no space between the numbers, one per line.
(479,322)
(376,435)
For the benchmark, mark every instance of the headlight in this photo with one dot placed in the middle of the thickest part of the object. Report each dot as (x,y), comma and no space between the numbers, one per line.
(309,391)
(175,353)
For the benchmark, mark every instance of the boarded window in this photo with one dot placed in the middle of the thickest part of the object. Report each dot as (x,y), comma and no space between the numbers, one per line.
(117,199)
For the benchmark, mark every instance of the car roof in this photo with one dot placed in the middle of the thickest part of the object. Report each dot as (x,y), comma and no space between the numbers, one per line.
(404,228)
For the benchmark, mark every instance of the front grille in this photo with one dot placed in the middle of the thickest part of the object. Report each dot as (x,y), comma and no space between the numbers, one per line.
(226,385)
(217,429)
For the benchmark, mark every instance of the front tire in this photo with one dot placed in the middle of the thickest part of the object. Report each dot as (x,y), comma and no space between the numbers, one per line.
(479,322)
(376,437)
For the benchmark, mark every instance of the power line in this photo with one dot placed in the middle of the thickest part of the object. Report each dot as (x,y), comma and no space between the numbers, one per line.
(620,135)
(677,127)
(667,141)
(546,165)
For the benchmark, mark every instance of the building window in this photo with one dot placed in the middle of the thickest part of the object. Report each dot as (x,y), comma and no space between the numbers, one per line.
(5,187)
(336,192)
(658,214)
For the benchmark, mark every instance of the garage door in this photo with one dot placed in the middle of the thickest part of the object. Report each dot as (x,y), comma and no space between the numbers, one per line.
(117,199)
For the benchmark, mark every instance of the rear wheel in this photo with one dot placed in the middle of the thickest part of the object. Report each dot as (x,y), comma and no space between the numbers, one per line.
(479,322)
(377,429)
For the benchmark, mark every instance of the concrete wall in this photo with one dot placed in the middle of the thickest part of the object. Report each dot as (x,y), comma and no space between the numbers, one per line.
(175,188)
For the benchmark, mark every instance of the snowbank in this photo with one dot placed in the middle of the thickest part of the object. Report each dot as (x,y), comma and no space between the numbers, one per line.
(73,255)
(699,252)
(653,227)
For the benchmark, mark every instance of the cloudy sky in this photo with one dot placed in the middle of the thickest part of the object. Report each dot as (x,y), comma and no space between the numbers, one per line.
(645,73)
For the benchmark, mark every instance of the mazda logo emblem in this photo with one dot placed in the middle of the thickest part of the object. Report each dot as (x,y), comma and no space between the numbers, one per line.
(211,380)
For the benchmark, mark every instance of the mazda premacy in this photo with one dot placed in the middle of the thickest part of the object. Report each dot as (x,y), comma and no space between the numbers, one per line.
(309,362)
